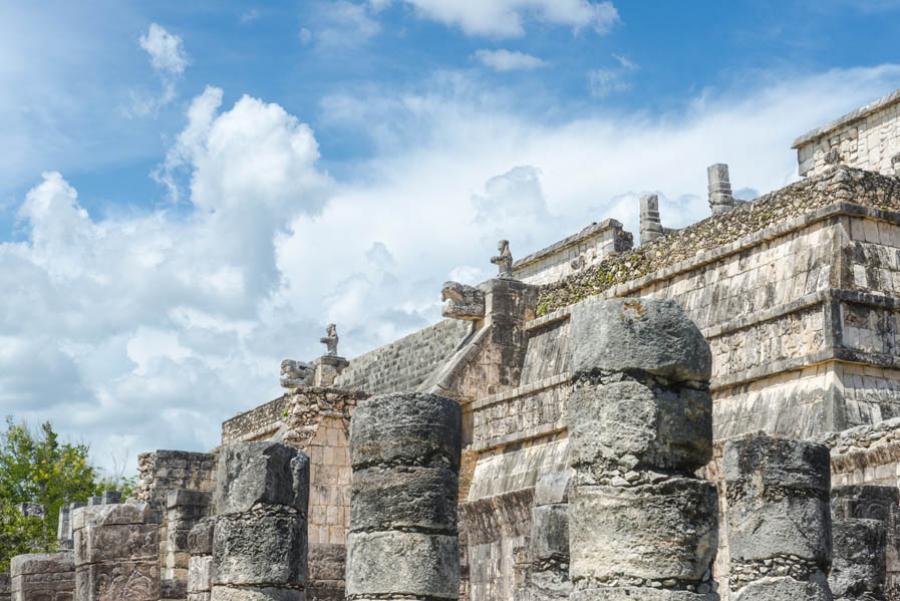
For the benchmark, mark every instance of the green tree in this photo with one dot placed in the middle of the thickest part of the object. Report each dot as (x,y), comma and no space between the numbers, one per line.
(35,467)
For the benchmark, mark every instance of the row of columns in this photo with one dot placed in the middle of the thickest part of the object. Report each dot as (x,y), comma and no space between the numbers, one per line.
(629,521)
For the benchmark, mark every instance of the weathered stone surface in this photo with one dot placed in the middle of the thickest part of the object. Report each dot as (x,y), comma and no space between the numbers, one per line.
(858,565)
(402,563)
(5,587)
(95,543)
(651,532)
(121,581)
(42,577)
(778,499)
(171,588)
(265,547)
(406,429)
(462,302)
(326,572)
(550,532)
(200,538)
(632,425)
(649,335)
(639,594)
(403,498)
(785,589)
(111,515)
(553,488)
(200,574)
(251,473)
(224,593)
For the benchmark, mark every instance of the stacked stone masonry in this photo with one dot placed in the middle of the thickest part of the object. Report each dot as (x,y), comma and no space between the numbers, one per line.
(779,518)
(116,552)
(640,524)
(405,451)
(259,546)
(43,577)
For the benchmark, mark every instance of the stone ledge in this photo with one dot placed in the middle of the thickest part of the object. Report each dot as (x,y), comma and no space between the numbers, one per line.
(543,431)
(845,120)
(553,317)
(521,391)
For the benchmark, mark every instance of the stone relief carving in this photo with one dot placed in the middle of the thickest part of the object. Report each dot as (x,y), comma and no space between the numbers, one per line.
(124,584)
(295,374)
(462,302)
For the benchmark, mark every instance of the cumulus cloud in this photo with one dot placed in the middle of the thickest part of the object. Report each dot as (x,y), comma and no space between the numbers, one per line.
(169,60)
(507,18)
(166,50)
(147,330)
(508,60)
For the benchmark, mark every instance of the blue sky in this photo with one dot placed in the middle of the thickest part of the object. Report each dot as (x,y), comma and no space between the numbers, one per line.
(191,190)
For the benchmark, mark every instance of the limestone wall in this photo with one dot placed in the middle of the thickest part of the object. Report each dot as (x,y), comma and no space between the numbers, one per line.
(867,138)
(405,364)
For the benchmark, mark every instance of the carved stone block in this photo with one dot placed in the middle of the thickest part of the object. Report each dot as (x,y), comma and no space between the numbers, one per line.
(265,547)
(648,532)
(403,498)
(251,473)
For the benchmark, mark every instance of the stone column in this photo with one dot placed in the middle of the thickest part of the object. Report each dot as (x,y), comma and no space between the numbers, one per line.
(779,519)
(43,577)
(260,539)
(200,544)
(858,564)
(405,453)
(549,574)
(869,502)
(720,198)
(651,225)
(116,553)
(184,508)
(641,526)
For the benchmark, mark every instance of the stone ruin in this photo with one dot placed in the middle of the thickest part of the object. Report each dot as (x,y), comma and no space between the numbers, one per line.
(710,415)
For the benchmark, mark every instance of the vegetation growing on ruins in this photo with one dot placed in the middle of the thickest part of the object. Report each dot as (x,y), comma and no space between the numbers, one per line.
(803,198)
(35,467)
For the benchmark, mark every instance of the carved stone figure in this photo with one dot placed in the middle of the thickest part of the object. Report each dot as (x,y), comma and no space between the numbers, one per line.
(504,260)
(295,374)
(330,340)
(462,302)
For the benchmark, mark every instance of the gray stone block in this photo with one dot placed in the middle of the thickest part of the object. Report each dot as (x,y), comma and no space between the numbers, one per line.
(630,593)
(404,498)
(858,565)
(42,577)
(407,429)
(265,547)
(110,515)
(652,532)
(778,499)
(224,593)
(784,589)
(200,538)
(550,532)
(41,563)
(94,544)
(126,580)
(650,335)
(630,425)
(402,563)
(251,473)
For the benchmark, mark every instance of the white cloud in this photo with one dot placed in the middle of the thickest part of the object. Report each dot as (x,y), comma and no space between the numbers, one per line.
(169,60)
(341,24)
(603,82)
(166,50)
(507,60)
(507,18)
(147,330)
